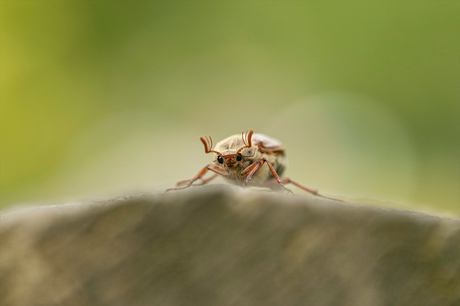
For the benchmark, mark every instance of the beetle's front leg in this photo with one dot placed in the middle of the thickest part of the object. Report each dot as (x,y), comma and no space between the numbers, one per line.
(203,181)
(244,175)
(256,166)
(200,174)
(217,170)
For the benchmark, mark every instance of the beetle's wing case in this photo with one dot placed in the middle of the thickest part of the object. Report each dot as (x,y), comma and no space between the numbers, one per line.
(267,144)
(264,143)
(273,150)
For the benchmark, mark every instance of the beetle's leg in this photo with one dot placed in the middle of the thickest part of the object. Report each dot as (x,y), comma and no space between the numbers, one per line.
(200,175)
(248,169)
(256,166)
(209,179)
(203,181)
(180,183)
(217,170)
(286,181)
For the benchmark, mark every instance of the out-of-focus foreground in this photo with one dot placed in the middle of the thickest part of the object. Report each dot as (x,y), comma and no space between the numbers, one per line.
(104,97)
(225,246)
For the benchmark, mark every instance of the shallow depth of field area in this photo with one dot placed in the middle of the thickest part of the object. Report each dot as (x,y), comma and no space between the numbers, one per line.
(107,98)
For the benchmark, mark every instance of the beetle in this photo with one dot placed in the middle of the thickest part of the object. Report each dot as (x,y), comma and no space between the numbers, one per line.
(246,159)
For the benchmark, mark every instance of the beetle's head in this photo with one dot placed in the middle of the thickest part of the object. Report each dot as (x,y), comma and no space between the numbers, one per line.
(230,158)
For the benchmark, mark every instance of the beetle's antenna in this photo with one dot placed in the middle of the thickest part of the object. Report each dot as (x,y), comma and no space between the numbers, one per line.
(247,140)
(208,145)
(209,142)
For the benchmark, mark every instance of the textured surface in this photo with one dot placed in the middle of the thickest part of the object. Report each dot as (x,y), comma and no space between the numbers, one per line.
(221,245)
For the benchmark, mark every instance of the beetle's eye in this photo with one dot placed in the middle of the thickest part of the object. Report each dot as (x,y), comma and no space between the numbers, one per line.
(220,159)
(239,157)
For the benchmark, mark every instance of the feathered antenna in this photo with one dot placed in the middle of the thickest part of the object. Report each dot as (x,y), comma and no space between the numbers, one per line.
(247,140)
(208,145)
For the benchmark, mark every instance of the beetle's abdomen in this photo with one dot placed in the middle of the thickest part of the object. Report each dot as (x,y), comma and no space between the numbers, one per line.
(281,166)
(279,163)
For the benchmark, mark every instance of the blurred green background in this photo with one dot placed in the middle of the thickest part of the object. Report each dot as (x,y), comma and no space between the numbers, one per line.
(102,98)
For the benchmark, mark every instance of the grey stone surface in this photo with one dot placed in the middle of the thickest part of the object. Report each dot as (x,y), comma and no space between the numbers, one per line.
(221,245)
